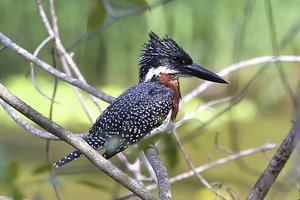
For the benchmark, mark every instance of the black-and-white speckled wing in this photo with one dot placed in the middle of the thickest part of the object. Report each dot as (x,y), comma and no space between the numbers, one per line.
(130,117)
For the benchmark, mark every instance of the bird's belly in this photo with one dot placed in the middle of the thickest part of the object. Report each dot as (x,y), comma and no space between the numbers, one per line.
(164,127)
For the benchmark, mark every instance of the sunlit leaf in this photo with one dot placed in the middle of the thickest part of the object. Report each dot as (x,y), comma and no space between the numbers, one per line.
(42,168)
(97,16)
(93,185)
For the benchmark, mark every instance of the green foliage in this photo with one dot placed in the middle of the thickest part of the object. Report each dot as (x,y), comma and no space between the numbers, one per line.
(97,16)
(213,34)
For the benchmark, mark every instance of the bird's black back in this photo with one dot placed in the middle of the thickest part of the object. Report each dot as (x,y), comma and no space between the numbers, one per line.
(130,117)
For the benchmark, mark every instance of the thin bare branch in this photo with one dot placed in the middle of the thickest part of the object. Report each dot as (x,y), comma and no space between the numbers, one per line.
(238,66)
(191,165)
(276,164)
(212,164)
(48,68)
(44,18)
(200,108)
(36,52)
(266,180)
(100,162)
(68,61)
(132,12)
(219,162)
(119,15)
(30,128)
(161,173)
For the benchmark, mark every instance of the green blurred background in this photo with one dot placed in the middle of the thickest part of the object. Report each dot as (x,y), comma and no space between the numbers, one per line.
(216,33)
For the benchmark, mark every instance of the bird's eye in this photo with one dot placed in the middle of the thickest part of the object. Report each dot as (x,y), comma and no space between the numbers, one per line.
(179,60)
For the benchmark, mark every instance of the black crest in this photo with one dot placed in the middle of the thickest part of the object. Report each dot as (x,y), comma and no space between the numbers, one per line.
(161,52)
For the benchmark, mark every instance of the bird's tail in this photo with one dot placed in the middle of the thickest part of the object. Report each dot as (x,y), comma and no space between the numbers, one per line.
(72,156)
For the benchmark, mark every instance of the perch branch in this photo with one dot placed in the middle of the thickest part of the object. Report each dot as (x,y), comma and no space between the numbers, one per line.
(212,164)
(161,173)
(78,143)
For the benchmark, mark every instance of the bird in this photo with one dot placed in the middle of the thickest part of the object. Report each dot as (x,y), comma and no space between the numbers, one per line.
(149,107)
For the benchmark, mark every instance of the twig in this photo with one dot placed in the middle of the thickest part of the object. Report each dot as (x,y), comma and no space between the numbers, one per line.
(213,164)
(235,67)
(44,18)
(276,49)
(29,128)
(85,37)
(52,174)
(276,164)
(200,108)
(265,181)
(37,50)
(133,11)
(100,162)
(191,165)
(134,167)
(160,170)
(69,62)
(48,68)
(218,162)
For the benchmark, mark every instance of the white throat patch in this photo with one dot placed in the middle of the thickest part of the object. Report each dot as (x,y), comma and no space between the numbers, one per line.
(156,71)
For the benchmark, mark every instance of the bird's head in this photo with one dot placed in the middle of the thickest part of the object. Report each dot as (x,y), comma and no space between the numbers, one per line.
(166,56)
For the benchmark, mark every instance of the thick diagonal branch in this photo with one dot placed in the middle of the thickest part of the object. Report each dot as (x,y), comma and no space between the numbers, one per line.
(276,164)
(76,142)
(278,161)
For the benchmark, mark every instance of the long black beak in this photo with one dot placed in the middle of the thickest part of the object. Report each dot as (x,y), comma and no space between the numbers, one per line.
(200,72)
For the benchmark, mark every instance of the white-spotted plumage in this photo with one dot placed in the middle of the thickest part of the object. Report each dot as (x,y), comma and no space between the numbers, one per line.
(149,107)
(142,110)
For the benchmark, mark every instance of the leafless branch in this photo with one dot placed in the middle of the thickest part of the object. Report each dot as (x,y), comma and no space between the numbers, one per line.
(160,170)
(37,50)
(218,162)
(100,162)
(68,62)
(118,15)
(191,165)
(51,70)
(276,164)
(266,180)
(215,163)
(200,108)
(115,17)
(30,128)
(238,66)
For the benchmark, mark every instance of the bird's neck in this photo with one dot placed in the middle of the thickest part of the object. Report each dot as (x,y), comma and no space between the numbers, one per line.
(172,82)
